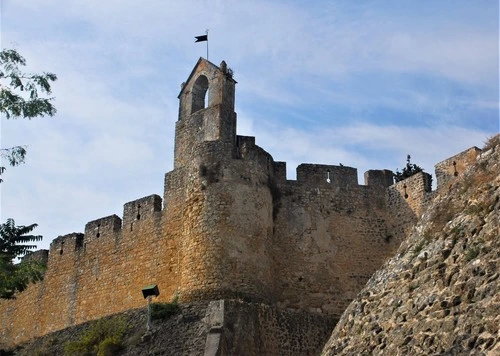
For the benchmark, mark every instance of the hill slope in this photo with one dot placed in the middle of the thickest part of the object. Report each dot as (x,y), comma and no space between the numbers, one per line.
(440,293)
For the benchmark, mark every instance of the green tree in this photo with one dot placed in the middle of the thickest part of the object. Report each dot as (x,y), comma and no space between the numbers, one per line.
(409,170)
(21,96)
(15,277)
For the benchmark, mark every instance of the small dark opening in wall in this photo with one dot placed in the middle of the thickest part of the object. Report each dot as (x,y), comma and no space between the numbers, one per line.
(300,279)
(61,250)
(131,226)
(455,173)
(98,227)
(139,212)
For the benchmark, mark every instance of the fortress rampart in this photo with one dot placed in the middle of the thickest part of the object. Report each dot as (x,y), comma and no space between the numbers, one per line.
(230,225)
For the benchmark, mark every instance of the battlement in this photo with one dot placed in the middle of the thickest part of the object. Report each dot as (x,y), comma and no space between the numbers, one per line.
(102,228)
(454,166)
(279,171)
(70,242)
(254,154)
(382,178)
(231,225)
(327,175)
(243,141)
(41,256)
(141,209)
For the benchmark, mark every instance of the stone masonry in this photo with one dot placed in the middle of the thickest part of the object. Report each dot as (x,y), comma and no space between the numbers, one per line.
(230,225)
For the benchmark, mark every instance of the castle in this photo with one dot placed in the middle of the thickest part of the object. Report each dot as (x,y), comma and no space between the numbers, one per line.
(230,226)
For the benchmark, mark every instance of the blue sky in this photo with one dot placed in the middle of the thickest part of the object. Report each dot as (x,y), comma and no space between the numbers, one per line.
(362,83)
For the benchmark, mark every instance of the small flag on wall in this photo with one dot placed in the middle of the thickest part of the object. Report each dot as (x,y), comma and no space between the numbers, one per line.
(201,38)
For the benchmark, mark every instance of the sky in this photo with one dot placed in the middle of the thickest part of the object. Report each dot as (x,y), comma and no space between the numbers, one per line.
(362,83)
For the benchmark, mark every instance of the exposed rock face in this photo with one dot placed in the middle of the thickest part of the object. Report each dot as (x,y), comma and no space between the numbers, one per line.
(440,293)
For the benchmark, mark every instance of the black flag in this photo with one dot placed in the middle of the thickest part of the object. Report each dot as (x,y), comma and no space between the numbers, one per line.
(201,38)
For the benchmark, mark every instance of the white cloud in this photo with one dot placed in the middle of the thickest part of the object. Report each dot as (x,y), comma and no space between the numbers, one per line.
(367,145)
(312,77)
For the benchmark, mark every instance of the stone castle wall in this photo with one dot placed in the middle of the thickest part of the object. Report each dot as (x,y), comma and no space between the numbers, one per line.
(456,165)
(96,274)
(231,226)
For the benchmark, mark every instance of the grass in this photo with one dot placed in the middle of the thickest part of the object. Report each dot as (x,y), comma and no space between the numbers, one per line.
(418,248)
(44,349)
(472,253)
(103,338)
(161,311)
(426,239)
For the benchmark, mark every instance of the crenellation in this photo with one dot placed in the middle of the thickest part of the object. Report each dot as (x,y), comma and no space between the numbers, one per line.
(380,177)
(41,256)
(279,172)
(455,166)
(102,228)
(231,226)
(406,201)
(141,209)
(245,140)
(327,175)
(65,244)
(257,161)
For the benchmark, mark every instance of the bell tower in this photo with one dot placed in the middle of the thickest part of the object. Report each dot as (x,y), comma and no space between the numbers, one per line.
(218,202)
(206,111)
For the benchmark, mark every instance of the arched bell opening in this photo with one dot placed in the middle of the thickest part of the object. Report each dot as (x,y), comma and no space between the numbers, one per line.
(199,94)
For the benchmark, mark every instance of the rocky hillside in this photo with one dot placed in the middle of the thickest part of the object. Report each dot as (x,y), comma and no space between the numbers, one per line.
(440,294)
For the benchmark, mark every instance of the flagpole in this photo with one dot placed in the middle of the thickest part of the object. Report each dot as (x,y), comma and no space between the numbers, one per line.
(206,31)
(203,38)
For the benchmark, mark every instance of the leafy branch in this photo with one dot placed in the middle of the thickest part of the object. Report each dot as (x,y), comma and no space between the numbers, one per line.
(19,92)
(20,96)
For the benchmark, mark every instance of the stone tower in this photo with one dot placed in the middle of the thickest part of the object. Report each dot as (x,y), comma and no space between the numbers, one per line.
(206,112)
(218,202)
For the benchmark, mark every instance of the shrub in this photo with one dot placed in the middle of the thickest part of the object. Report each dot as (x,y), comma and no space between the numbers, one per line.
(109,347)
(164,310)
(491,142)
(472,253)
(103,338)
(418,248)
(409,170)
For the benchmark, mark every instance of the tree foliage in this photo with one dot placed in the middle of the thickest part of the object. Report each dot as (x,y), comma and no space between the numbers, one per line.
(409,170)
(14,242)
(22,95)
